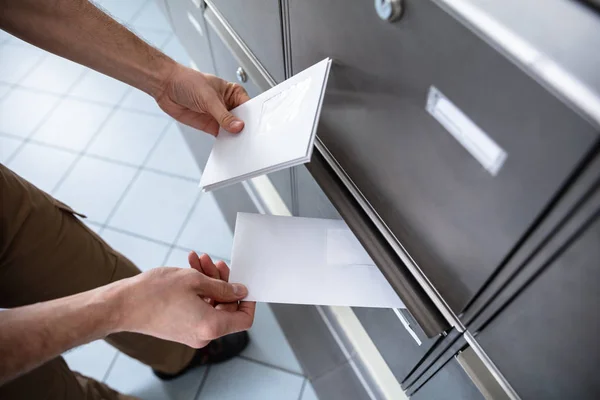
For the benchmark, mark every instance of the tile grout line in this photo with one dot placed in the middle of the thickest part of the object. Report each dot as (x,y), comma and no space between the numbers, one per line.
(302,389)
(103,158)
(62,96)
(45,118)
(204,379)
(83,152)
(83,99)
(105,227)
(113,111)
(269,365)
(182,228)
(136,176)
(110,367)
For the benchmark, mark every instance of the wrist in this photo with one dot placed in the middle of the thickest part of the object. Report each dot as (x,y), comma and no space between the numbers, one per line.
(112,300)
(160,76)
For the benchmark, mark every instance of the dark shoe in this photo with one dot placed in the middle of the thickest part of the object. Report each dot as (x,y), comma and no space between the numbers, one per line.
(216,351)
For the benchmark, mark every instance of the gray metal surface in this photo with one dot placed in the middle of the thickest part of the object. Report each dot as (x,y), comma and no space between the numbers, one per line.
(480,375)
(457,221)
(450,382)
(186,18)
(238,49)
(312,202)
(340,384)
(558,33)
(398,348)
(545,341)
(309,337)
(491,299)
(258,23)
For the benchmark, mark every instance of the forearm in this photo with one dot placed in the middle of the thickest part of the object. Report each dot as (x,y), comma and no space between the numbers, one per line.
(79,31)
(32,335)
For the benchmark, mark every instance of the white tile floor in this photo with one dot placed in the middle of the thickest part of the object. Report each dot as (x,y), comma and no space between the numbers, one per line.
(108,151)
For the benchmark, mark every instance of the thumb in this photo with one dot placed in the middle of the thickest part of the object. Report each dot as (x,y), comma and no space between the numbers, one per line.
(226,120)
(222,291)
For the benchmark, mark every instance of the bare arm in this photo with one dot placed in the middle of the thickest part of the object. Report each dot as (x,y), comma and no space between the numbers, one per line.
(79,31)
(165,302)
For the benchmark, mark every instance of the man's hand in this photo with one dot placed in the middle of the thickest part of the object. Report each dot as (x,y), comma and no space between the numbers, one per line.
(169,303)
(79,31)
(201,101)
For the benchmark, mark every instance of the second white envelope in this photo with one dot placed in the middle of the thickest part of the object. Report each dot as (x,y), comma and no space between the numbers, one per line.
(306,261)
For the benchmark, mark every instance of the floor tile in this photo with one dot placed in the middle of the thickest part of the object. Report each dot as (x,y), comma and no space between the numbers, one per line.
(72,124)
(151,17)
(131,377)
(4,36)
(92,359)
(95,86)
(176,51)
(4,89)
(156,206)
(309,393)
(17,61)
(128,136)
(42,165)
(54,74)
(15,41)
(92,225)
(8,145)
(268,343)
(155,37)
(173,155)
(178,258)
(206,231)
(143,253)
(141,101)
(241,379)
(22,110)
(94,187)
(122,11)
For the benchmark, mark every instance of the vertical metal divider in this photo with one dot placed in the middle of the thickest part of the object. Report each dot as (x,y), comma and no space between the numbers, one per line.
(287,69)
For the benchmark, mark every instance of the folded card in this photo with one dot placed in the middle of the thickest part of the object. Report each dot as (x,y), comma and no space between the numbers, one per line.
(279,131)
(306,261)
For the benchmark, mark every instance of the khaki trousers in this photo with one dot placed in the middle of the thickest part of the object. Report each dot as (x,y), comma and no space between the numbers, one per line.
(46,253)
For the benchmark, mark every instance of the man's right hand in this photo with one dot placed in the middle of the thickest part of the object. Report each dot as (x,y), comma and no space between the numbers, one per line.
(202,101)
(169,303)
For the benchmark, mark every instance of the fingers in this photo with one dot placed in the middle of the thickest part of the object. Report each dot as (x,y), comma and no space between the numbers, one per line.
(194,261)
(202,122)
(205,265)
(239,96)
(208,267)
(223,270)
(226,120)
(223,323)
(228,307)
(248,308)
(219,290)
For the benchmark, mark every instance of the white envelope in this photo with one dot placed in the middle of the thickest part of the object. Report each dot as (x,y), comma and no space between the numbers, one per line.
(306,261)
(279,131)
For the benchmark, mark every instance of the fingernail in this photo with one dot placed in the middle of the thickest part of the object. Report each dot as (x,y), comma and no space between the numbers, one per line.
(239,290)
(236,124)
